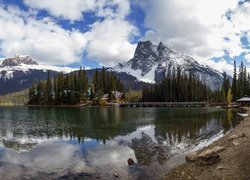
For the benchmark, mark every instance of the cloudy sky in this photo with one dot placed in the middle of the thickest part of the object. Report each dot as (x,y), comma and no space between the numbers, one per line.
(104,32)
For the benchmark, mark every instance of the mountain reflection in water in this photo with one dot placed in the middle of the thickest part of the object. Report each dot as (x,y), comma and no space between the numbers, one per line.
(54,142)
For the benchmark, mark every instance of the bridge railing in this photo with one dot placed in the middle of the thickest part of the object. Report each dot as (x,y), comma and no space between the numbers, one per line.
(164,104)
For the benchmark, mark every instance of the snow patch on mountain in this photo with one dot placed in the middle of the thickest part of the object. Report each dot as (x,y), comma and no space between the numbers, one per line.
(25,64)
(151,63)
(148,78)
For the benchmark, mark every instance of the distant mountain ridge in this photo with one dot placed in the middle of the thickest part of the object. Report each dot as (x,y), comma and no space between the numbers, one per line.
(20,72)
(17,60)
(151,63)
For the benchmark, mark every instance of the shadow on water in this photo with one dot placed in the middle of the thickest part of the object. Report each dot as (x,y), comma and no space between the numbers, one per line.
(58,142)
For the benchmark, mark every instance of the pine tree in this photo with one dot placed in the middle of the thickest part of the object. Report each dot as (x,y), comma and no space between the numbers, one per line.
(73,88)
(179,87)
(49,88)
(244,81)
(55,89)
(229,97)
(226,82)
(32,94)
(241,81)
(234,84)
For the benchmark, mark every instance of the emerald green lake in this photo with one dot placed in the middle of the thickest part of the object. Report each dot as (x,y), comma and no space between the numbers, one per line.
(93,142)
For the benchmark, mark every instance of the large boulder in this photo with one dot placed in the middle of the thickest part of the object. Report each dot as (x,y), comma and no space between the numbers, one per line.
(192,156)
(208,157)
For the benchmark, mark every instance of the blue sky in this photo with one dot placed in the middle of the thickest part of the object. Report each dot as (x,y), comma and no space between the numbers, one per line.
(94,33)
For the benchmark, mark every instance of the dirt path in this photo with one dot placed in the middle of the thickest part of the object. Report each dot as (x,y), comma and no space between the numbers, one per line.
(234,163)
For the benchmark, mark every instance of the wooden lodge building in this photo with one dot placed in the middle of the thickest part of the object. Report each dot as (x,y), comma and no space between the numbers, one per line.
(114,97)
(245,101)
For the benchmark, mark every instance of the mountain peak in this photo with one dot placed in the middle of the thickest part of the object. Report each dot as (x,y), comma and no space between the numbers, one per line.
(161,44)
(17,60)
(151,63)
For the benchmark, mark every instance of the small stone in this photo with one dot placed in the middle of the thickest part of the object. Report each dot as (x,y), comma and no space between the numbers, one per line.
(192,156)
(130,161)
(218,149)
(242,134)
(189,177)
(220,167)
(232,137)
(235,143)
(183,173)
(115,174)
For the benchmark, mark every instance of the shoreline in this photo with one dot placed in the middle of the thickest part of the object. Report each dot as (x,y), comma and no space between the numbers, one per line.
(234,159)
(107,105)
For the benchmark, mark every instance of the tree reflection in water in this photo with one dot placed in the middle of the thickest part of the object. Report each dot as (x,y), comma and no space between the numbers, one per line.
(174,129)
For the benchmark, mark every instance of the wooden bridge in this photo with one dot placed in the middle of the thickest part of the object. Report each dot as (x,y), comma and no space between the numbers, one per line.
(163,104)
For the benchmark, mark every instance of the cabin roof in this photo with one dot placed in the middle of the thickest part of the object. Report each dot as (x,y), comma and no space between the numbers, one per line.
(117,94)
(244,99)
(106,96)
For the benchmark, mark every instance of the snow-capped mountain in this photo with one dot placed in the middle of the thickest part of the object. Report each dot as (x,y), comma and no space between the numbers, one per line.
(20,72)
(25,64)
(151,63)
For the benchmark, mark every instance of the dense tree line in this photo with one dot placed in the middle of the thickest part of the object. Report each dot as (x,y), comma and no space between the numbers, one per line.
(241,82)
(177,87)
(74,88)
(239,87)
(104,82)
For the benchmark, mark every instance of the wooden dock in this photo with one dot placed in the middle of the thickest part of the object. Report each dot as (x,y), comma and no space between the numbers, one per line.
(163,104)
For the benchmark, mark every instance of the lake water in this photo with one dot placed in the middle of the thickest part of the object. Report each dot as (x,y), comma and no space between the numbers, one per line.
(94,142)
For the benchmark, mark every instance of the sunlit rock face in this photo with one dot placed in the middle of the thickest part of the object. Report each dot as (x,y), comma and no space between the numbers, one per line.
(151,63)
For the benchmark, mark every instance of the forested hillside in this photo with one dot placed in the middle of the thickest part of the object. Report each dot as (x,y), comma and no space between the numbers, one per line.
(177,87)
(18,98)
(74,88)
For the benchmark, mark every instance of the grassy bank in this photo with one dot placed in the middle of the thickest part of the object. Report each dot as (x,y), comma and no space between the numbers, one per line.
(13,99)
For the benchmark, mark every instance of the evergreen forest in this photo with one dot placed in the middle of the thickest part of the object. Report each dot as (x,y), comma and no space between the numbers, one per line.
(74,88)
(183,87)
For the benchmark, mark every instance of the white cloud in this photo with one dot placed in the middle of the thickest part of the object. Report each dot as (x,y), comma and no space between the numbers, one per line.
(75,9)
(222,65)
(198,27)
(42,39)
(240,18)
(247,57)
(113,8)
(67,9)
(109,41)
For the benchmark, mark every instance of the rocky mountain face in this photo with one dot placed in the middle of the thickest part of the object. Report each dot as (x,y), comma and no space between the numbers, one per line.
(20,72)
(17,60)
(151,63)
